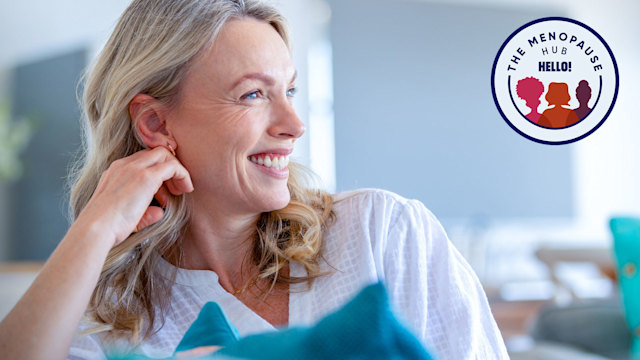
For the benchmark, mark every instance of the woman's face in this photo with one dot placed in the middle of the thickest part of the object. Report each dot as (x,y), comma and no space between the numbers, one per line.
(234,117)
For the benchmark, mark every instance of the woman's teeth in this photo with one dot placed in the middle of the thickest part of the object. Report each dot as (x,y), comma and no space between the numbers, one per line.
(278,162)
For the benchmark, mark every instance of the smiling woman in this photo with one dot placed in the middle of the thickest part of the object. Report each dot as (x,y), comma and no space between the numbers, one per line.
(186,195)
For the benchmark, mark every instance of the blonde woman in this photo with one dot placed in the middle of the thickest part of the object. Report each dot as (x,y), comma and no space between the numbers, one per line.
(189,109)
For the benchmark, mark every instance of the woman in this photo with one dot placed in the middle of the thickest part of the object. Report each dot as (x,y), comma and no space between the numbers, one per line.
(190,104)
(557,116)
(530,89)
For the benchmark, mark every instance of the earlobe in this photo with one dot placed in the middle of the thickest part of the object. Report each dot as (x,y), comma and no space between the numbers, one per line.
(148,117)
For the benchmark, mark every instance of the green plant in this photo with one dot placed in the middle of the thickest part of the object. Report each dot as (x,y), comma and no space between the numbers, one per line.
(14,138)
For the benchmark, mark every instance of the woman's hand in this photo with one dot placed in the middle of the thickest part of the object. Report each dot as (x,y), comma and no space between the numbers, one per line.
(120,203)
(197,352)
(43,322)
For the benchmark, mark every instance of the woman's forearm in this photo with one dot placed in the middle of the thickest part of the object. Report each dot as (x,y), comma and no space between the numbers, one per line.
(44,321)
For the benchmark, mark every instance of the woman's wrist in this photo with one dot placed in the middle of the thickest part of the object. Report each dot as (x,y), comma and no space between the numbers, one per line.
(93,231)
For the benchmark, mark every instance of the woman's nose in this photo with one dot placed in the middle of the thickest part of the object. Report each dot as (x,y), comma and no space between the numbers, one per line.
(286,123)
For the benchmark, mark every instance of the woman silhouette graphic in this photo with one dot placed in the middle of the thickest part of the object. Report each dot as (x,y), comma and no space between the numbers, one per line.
(558,116)
(530,89)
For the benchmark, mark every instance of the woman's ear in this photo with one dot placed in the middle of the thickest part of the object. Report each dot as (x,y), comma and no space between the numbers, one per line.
(149,119)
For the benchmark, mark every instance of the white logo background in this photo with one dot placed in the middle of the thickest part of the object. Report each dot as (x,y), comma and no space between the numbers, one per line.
(505,78)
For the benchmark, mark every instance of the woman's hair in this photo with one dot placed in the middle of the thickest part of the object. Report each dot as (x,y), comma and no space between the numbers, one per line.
(558,94)
(149,52)
(529,88)
(583,92)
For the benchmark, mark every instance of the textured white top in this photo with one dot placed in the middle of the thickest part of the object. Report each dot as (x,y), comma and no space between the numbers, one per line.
(377,235)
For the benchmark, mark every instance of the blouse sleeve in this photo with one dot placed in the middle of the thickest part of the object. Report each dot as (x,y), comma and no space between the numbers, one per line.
(435,291)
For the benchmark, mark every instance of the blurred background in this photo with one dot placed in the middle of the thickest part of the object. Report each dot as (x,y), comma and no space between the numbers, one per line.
(396,94)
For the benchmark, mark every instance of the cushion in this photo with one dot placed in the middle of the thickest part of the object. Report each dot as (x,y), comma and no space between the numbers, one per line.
(626,246)
(364,328)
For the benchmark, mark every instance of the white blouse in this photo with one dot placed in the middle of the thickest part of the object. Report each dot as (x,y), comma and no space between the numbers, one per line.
(377,235)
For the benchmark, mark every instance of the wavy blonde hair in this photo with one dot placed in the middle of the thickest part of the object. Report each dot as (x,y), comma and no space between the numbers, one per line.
(149,52)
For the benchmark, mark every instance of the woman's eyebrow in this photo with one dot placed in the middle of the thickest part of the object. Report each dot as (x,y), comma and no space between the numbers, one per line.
(267,79)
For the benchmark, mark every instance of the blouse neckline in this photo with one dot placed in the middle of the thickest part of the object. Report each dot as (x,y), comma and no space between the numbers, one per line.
(185,276)
(245,317)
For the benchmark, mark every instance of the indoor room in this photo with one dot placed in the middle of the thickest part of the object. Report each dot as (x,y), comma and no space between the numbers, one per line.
(395,95)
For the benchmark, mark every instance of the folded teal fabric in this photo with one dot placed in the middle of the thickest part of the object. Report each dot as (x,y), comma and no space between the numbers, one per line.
(210,328)
(365,328)
(626,247)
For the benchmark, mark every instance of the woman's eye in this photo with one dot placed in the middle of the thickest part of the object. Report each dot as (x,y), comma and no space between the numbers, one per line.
(292,92)
(252,95)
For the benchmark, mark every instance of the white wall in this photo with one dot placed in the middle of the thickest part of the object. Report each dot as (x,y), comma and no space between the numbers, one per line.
(609,162)
(37,28)
(607,166)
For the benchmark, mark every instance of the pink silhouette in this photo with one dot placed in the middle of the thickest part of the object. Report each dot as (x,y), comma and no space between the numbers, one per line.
(583,94)
(530,89)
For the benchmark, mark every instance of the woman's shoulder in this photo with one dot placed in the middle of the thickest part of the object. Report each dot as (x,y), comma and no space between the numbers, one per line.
(379,205)
(373,196)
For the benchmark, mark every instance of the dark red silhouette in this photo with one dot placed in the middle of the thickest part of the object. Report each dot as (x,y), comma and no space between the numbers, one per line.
(530,89)
(583,94)
(558,116)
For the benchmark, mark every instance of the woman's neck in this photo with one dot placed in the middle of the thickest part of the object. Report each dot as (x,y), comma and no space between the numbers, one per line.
(222,243)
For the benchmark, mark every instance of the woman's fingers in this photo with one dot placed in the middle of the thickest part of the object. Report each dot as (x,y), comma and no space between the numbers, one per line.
(150,217)
(148,157)
(168,168)
(162,195)
(127,187)
(197,352)
(175,176)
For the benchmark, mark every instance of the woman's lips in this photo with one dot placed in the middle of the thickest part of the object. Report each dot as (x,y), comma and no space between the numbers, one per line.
(282,173)
(269,160)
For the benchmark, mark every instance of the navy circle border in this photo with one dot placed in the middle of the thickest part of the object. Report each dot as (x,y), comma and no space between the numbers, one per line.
(493,88)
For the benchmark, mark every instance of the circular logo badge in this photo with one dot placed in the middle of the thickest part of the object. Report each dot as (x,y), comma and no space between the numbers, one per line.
(555,80)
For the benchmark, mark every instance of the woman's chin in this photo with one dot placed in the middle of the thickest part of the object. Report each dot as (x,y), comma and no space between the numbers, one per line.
(276,200)
(282,202)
